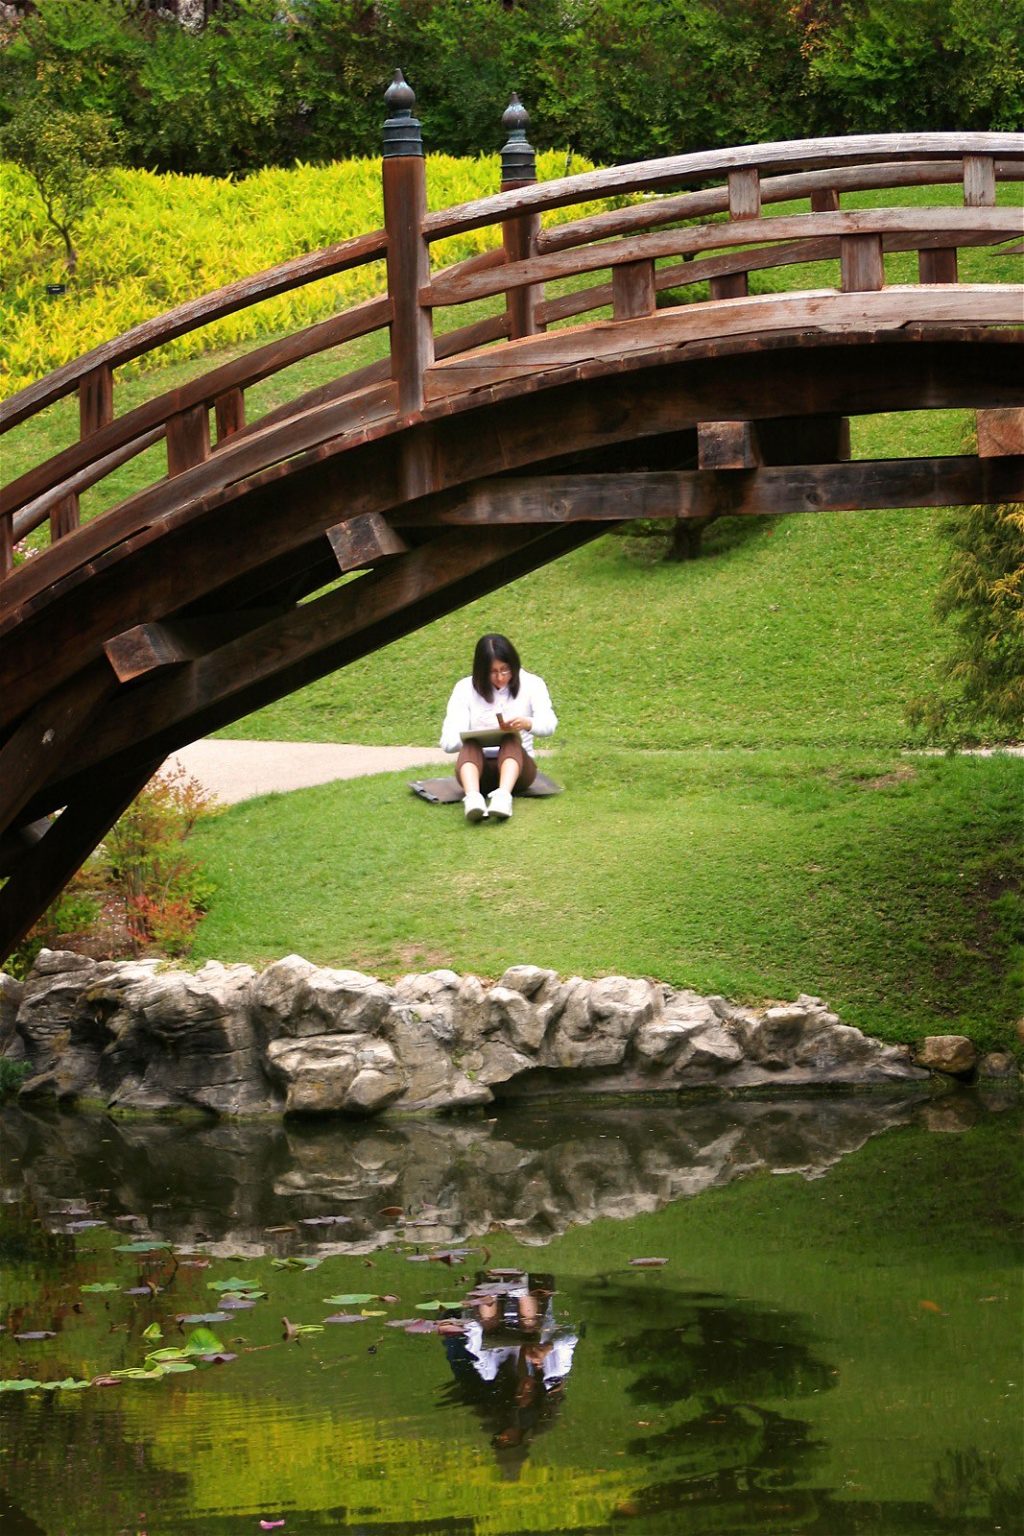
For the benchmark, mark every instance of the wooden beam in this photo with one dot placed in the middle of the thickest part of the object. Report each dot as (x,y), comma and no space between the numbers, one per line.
(96,400)
(150,648)
(860,260)
(937,265)
(229,413)
(1000,433)
(979,181)
(365,541)
(188,439)
(633,290)
(42,740)
(727,445)
(16,844)
(770,490)
(47,866)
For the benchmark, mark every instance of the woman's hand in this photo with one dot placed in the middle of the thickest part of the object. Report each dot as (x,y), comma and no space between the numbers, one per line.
(520,723)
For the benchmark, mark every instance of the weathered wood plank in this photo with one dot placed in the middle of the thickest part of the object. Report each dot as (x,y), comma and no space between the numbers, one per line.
(7,542)
(143,649)
(727,445)
(65,515)
(923,222)
(761,315)
(744,193)
(48,865)
(365,541)
(826,199)
(1000,433)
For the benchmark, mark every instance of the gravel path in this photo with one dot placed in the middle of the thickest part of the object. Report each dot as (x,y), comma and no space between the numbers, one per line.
(238,770)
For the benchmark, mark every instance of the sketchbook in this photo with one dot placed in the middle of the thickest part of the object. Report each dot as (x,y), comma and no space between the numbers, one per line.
(490,737)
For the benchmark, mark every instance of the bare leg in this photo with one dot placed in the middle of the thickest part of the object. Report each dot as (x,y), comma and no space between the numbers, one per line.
(469,777)
(508,774)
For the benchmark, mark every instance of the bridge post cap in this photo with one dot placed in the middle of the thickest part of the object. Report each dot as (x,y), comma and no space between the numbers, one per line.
(518,162)
(402,134)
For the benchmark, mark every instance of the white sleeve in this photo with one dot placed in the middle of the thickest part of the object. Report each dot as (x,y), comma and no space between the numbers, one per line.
(545,721)
(456,718)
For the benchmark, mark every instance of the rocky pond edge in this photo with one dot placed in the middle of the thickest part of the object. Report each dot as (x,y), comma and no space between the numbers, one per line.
(302,1039)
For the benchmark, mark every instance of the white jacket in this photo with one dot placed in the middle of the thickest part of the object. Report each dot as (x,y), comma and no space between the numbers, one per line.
(467,711)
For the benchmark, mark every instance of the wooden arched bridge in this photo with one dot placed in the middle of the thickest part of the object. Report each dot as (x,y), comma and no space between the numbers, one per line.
(602,384)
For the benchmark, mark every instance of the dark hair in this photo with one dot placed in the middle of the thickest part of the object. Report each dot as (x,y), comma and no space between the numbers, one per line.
(489,649)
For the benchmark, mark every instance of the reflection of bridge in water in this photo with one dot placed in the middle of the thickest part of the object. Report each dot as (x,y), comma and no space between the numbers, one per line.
(532,1175)
(467,457)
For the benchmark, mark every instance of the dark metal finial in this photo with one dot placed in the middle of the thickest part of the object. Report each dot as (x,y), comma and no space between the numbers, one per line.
(518,161)
(402,134)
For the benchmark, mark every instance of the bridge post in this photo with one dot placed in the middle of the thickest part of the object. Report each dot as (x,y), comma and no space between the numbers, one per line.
(744,203)
(519,235)
(408,259)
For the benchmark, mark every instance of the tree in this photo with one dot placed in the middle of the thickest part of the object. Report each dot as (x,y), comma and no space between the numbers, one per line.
(982,594)
(65,153)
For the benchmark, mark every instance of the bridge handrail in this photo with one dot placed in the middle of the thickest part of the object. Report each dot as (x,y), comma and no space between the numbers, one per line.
(670,171)
(628,240)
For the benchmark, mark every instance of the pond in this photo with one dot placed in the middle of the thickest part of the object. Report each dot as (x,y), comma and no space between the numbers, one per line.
(715,1317)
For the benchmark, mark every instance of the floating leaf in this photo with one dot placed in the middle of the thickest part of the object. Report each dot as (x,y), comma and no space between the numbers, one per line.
(390,1301)
(201,1341)
(136,1373)
(297,1263)
(421,1325)
(418,1258)
(36,1333)
(97,1286)
(237,1303)
(195,1263)
(232,1284)
(345,1317)
(429,1306)
(105,1381)
(154,1331)
(648,1263)
(270,1525)
(355,1299)
(325,1221)
(142,1290)
(370,1313)
(20,1384)
(220,1358)
(69,1384)
(84,1226)
(141,1247)
(399,1322)
(297,1328)
(177,1367)
(201,1317)
(514,1274)
(287,1228)
(170,1352)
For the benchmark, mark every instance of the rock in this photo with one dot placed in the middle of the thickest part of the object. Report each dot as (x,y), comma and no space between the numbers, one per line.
(11,994)
(954,1054)
(296,999)
(527,979)
(597,1022)
(335,1072)
(510,1013)
(997,1064)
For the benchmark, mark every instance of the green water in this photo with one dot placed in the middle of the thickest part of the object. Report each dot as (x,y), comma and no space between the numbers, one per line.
(833,1344)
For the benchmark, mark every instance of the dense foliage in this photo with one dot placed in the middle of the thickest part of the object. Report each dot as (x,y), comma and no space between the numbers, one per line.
(269,81)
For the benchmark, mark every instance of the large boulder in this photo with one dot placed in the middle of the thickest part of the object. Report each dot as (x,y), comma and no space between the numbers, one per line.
(294,998)
(953,1054)
(323,1074)
(11,994)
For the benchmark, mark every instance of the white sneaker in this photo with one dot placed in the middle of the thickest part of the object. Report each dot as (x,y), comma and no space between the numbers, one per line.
(499,803)
(476,809)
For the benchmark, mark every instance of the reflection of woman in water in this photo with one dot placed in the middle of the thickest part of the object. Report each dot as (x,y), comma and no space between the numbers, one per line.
(511,1358)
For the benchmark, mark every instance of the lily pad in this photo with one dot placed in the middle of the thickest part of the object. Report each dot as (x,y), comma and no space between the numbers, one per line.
(69,1384)
(141,1247)
(237,1303)
(345,1317)
(201,1317)
(233,1283)
(296,1263)
(34,1334)
(352,1299)
(178,1367)
(142,1290)
(136,1373)
(84,1226)
(429,1306)
(421,1325)
(98,1286)
(154,1331)
(20,1384)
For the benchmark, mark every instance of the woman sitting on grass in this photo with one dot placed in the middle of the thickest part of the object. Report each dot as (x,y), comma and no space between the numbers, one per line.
(514,706)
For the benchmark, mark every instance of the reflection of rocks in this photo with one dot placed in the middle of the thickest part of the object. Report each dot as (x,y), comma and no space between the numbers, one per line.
(531,1174)
(307,1039)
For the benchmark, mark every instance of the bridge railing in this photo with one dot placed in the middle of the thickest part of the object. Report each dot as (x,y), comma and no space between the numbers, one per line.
(673,232)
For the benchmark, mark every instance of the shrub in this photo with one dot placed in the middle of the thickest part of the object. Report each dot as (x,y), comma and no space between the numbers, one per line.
(64,154)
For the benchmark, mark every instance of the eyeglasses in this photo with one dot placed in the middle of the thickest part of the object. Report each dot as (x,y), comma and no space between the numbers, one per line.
(501,671)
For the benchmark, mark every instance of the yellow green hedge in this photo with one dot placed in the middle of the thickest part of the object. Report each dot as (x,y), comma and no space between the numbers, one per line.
(157,240)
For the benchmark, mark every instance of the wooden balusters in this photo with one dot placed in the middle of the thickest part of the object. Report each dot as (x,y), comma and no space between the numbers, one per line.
(519,235)
(937,265)
(188,439)
(744,203)
(408,258)
(6,544)
(95,401)
(825,200)
(979,181)
(861,265)
(633,290)
(229,411)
